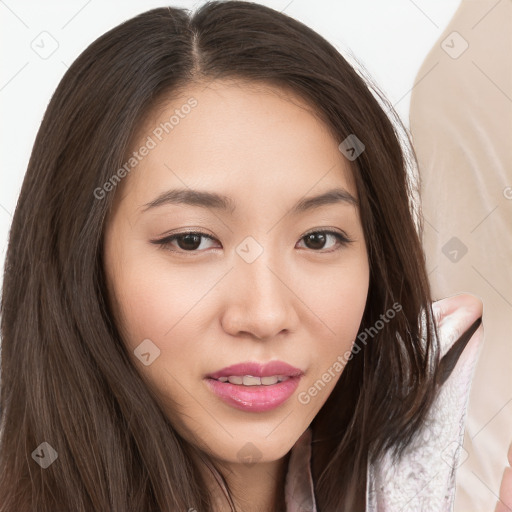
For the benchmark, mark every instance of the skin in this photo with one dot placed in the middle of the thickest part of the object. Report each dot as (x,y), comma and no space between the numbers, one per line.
(208,309)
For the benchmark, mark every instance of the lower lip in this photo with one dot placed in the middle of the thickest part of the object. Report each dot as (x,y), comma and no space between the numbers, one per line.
(254,398)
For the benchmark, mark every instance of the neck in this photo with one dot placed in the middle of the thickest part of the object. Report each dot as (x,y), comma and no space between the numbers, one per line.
(257,487)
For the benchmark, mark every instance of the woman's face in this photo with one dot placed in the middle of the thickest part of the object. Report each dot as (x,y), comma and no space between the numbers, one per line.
(267,286)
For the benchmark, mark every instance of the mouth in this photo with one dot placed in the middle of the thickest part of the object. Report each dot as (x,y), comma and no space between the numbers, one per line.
(255,387)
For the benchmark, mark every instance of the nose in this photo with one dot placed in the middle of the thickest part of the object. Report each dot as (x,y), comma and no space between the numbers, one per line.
(260,301)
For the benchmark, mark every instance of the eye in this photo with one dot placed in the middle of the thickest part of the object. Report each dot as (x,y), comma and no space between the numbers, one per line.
(316,240)
(191,241)
(187,242)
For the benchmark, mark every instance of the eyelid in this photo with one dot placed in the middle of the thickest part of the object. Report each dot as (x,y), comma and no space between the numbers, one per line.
(341,237)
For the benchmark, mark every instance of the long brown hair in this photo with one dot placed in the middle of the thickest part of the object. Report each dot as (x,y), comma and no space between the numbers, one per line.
(66,378)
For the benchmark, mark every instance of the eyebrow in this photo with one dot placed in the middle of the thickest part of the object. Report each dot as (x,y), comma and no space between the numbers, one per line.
(217,201)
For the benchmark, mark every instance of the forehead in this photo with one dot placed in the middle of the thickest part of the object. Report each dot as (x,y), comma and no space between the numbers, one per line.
(243,139)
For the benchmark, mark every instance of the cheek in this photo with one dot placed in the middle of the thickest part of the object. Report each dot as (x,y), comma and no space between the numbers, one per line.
(153,297)
(340,305)
(168,305)
(151,302)
(157,303)
(339,294)
(342,302)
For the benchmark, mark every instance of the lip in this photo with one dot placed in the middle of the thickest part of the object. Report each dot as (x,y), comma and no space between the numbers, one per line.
(255,398)
(258,370)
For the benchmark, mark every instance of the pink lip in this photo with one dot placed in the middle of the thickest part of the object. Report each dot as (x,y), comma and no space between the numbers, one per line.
(255,398)
(258,370)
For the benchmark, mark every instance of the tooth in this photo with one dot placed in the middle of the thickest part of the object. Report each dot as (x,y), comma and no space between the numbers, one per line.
(249,380)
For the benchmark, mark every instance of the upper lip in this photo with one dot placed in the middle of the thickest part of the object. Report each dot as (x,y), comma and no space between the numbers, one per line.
(257,370)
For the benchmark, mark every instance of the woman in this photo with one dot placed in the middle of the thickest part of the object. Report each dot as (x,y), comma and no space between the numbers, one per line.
(214,261)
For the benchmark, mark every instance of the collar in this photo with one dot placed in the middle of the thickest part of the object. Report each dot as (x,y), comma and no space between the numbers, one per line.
(299,493)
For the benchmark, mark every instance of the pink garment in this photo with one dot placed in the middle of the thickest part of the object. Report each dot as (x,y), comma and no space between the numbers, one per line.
(423,480)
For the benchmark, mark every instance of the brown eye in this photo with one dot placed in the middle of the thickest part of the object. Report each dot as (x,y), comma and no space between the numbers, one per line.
(317,240)
(189,242)
(184,242)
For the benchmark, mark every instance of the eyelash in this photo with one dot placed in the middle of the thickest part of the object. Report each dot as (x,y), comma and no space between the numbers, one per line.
(166,241)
